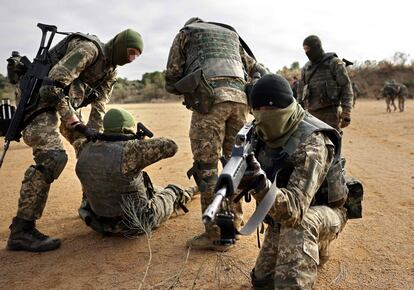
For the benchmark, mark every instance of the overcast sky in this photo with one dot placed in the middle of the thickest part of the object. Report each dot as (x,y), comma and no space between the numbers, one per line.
(274,30)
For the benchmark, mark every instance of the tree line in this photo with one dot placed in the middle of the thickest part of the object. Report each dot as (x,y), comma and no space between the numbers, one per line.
(369,75)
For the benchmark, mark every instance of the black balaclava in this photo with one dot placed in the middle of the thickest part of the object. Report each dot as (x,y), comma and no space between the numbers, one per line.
(315,52)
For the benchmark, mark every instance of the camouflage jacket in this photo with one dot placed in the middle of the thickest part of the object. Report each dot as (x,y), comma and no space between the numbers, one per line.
(175,71)
(110,170)
(80,59)
(311,162)
(328,86)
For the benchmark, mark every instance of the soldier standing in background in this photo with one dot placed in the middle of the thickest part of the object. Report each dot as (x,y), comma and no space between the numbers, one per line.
(325,85)
(208,65)
(78,61)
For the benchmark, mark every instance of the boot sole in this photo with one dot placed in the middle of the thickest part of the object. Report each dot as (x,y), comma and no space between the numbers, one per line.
(20,247)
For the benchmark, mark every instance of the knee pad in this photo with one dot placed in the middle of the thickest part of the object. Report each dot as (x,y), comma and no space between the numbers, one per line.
(203,180)
(51,163)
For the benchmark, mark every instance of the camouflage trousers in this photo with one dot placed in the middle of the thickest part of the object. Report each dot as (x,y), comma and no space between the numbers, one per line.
(141,213)
(211,136)
(290,255)
(50,159)
(330,115)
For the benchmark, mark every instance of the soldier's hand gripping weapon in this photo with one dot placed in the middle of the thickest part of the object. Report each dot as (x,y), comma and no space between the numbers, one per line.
(29,86)
(218,211)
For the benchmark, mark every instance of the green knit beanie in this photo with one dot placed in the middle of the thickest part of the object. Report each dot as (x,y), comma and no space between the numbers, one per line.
(117,46)
(118,121)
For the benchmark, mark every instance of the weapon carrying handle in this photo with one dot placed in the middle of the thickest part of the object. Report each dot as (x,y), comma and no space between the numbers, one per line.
(43,50)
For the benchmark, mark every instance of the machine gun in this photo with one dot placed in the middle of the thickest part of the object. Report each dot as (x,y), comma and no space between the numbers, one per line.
(218,211)
(227,185)
(29,86)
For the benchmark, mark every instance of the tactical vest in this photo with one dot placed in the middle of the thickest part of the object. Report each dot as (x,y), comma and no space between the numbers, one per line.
(95,72)
(322,88)
(277,161)
(214,49)
(99,170)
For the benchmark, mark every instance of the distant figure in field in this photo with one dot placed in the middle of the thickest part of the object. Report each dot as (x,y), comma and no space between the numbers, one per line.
(402,95)
(390,91)
(357,92)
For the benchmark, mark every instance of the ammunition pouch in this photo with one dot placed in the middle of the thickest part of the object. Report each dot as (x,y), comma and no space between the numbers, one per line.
(355,197)
(330,92)
(337,188)
(198,94)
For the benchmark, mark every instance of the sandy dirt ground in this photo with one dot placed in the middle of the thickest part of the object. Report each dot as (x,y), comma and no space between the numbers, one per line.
(376,252)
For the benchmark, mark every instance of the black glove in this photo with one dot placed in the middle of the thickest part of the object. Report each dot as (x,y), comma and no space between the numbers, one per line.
(254,177)
(89,133)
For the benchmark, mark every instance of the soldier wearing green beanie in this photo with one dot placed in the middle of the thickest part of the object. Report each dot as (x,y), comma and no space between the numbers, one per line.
(114,183)
(79,62)
(124,46)
(326,89)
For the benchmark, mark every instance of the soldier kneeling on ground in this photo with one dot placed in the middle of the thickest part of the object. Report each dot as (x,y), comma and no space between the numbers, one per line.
(298,163)
(119,196)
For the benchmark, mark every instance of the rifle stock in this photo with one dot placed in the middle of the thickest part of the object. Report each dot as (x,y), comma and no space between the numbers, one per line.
(30,85)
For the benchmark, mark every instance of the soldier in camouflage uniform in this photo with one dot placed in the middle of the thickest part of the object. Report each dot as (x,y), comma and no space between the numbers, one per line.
(225,66)
(115,185)
(402,95)
(356,91)
(327,91)
(300,154)
(389,92)
(78,61)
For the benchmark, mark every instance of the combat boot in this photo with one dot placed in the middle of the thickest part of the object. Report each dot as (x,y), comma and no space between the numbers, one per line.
(25,237)
(208,240)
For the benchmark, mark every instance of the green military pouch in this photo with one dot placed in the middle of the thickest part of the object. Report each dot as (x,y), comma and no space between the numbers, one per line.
(355,197)
(198,94)
(330,93)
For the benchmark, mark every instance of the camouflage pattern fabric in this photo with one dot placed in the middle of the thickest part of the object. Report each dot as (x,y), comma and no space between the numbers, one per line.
(389,92)
(402,95)
(42,135)
(80,57)
(212,134)
(330,86)
(330,115)
(290,253)
(175,71)
(157,203)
